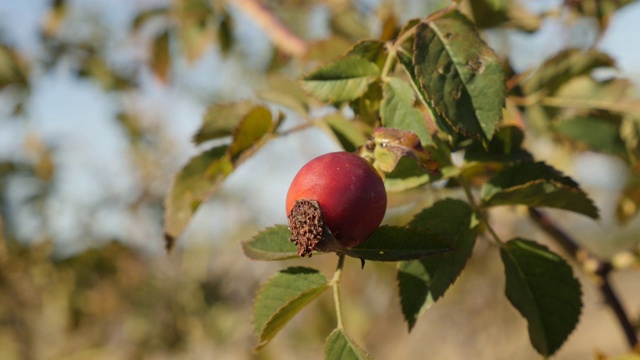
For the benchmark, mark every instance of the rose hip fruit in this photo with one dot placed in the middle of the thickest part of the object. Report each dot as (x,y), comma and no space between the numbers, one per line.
(336,201)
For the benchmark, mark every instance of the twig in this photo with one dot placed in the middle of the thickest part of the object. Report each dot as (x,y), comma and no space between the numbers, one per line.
(335,282)
(281,36)
(588,260)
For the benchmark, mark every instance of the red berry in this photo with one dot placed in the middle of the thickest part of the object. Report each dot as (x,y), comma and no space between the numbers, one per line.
(336,196)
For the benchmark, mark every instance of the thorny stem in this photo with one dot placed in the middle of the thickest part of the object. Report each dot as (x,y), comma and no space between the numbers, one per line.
(591,263)
(335,282)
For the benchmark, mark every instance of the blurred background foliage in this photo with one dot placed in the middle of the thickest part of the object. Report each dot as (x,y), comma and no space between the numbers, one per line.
(98,103)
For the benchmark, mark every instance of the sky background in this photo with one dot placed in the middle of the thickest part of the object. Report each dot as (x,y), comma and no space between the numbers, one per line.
(96,178)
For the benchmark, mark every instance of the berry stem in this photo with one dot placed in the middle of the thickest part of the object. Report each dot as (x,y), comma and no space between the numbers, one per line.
(335,282)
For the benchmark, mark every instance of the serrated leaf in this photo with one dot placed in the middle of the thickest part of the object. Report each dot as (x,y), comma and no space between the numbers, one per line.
(271,244)
(341,80)
(597,133)
(339,346)
(374,51)
(283,296)
(393,243)
(460,76)
(505,146)
(422,282)
(191,186)
(540,284)
(160,56)
(537,184)
(221,119)
(397,110)
(253,127)
(204,174)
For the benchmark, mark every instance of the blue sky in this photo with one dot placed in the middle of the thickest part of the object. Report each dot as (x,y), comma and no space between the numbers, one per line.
(93,158)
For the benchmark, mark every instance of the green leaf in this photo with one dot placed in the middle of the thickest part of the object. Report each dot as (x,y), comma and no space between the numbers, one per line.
(283,296)
(460,76)
(253,127)
(406,175)
(563,67)
(505,146)
(585,93)
(204,174)
(374,51)
(221,119)
(388,145)
(422,282)
(536,184)
(346,131)
(160,59)
(191,186)
(271,244)
(397,110)
(540,284)
(339,346)
(285,91)
(393,243)
(367,107)
(341,80)
(597,133)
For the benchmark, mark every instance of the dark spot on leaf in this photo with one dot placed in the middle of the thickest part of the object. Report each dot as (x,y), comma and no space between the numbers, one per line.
(476,65)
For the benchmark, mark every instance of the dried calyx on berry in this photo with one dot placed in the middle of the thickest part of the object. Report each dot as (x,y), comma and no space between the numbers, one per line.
(335,202)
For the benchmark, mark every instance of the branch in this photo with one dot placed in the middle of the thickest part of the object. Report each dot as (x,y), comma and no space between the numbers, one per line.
(588,260)
(281,36)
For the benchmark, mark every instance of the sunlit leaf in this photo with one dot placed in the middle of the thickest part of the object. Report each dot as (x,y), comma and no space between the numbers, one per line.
(339,346)
(341,80)
(221,119)
(422,282)
(204,174)
(397,110)
(374,51)
(387,146)
(541,285)
(271,244)
(537,184)
(459,75)
(254,126)
(191,186)
(283,296)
